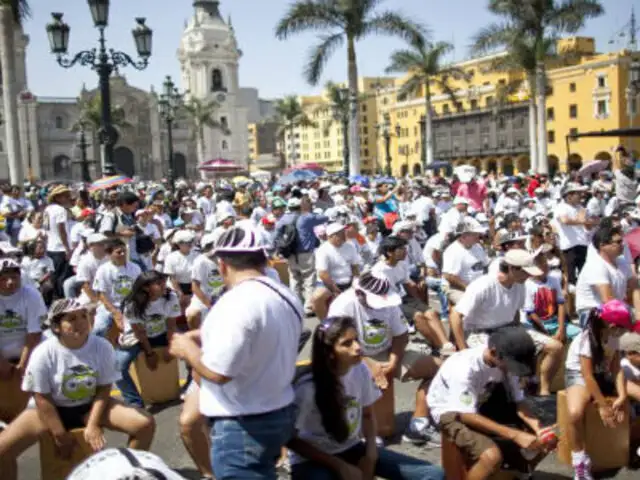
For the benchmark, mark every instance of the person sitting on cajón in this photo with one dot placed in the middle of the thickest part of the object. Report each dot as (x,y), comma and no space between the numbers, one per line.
(70,376)
(476,386)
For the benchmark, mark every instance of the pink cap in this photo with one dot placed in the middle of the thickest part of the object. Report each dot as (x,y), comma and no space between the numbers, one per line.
(617,313)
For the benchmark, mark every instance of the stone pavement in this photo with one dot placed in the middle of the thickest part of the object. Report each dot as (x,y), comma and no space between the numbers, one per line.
(167,442)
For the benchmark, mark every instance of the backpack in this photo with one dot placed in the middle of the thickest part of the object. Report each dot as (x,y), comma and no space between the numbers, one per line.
(144,242)
(286,242)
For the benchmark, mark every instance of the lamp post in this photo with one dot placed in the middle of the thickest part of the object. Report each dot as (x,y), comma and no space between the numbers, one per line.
(423,143)
(385,129)
(170,101)
(84,162)
(103,61)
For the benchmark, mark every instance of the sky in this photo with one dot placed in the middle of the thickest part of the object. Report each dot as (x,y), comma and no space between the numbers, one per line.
(273,66)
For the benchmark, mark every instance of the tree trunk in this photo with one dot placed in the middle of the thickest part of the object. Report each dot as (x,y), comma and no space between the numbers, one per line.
(354,123)
(428,130)
(543,161)
(533,141)
(200,147)
(10,97)
(293,161)
(345,145)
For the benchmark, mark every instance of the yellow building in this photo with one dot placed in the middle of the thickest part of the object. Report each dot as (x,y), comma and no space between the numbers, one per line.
(585,95)
(324,142)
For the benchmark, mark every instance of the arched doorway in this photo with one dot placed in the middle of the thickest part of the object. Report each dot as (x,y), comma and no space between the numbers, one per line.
(417,169)
(404,170)
(62,167)
(522,164)
(603,156)
(554,164)
(507,166)
(476,163)
(180,165)
(574,162)
(492,166)
(123,160)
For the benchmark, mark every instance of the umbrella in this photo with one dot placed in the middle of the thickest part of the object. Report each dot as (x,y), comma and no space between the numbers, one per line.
(361,179)
(106,183)
(240,179)
(592,167)
(316,168)
(296,176)
(220,165)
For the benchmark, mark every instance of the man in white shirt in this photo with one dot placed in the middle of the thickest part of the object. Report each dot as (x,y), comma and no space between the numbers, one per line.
(474,394)
(57,227)
(464,259)
(450,220)
(247,365)
(337,264)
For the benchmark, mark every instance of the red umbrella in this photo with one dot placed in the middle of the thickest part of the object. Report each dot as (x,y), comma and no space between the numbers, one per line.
(220,165)
(633,240)
(316,167)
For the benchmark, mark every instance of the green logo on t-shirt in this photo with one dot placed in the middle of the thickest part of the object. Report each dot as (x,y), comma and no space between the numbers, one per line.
(11,321)
(80,383)
(375,332)
(353,414)
(155,325)
(122,285)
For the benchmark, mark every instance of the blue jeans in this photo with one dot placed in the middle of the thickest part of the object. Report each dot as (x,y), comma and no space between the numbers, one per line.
(391,465)
(102,322)
(552,327)
(248,447)
(124,358)
(435,284)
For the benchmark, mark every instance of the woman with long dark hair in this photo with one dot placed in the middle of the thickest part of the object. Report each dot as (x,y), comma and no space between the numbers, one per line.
(336,427)
(149,314)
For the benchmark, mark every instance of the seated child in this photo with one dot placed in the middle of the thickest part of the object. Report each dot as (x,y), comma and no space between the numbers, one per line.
(70,376)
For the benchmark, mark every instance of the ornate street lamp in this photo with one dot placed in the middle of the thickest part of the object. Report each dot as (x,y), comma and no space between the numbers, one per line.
(103,61)
(385,130)
(84,162)
(169,103)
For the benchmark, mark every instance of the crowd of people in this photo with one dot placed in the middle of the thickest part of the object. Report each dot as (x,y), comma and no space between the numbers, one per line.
(475,286)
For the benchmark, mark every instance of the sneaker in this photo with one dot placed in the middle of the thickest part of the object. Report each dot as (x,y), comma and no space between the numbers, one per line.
(411,328)
(582,471)
(447,350)
(379,442)
(420,432)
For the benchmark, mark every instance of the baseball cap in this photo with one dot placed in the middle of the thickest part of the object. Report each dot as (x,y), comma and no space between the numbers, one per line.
(460,201)
(617,314)
(573,187)
(334,228)
(377,290)
(183,236)
(64,305)
(207,240)
(505,236)
(516,349)
(278,202)
(402,226)
(630,342)
(469,225)
(293,203)
(124,464)
(96,238)
(522,259)
(7,264)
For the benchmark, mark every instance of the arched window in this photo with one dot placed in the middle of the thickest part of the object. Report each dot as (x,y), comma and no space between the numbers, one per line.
(225,145)
(59,122)
(216,80)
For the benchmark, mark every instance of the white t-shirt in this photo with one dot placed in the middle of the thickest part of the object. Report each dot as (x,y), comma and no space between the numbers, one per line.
(631,372)
(464,382)
(152,230)
(434,244)
(359,390)
(71,377)
(36,269)
(257,350)
(28,232)
(487,304)
(597,271)
(337,261)
(450,220)
(542,298)
(206,205)
(163,253)
(397,275)
(179,265)
(569,235)
(20,314)
(423,207)
(86,272)
(376,328)
(465,263)
(206,273)
(55,215)
(116,282)
(581,347)
(155,316)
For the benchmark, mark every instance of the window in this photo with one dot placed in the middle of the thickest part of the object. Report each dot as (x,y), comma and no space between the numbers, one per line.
(501,123)
(1,147)
(365,130)
(572,133)
(602,81)
(489,101)
(603,110)
(59,122)
(550,114)
(216,80)
(225,145)
(445,108)
(366,152)
(551,136)
(572,87)
(474,104)
(364,107)
(364,119)
(223,123)
(573,111)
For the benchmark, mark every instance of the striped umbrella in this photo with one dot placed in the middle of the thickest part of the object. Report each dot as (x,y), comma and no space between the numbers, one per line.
(106,183)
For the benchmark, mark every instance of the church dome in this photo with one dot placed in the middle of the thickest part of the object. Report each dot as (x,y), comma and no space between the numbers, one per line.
(206,29)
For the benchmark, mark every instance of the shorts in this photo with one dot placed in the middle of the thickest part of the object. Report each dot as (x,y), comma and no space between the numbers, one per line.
(411,355)
(605,381)
(482,338)
(73,417)
(472,444)
(454,296)
(186,288)
(411,305)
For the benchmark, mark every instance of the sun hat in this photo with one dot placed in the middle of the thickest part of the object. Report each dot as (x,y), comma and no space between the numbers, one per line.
(59,190)
(7,264)
(377,291)
(514,346)
(293,202)
(183,236)
(630,342)
(7,249)
(571,188)
(334,228)
(403,226)
(207,240)
(465,173)
(239,239)
(505,236)
(224,214)
(469,225)
(522,259)
(94,238)
(123,464)
(616,313)
(278,202)
(65,305)
(513,190)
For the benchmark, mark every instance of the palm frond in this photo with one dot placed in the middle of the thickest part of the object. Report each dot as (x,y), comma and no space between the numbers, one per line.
(571,16)
(492,37)
(319,56)
(20,10)
(306,15)
(403,61)
(412,86)
(395,24)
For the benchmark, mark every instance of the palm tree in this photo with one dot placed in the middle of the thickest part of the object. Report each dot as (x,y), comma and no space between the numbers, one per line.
(90,115)
(424,62)
(289,116)
(12,14)
(338,21)
(203,114)
(540,22)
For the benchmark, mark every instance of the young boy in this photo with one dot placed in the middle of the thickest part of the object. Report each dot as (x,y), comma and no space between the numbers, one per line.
(463,388)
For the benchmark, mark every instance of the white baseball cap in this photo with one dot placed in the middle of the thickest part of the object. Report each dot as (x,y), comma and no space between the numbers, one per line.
(334,228)
(460,201)
(96,238)
(522,259)
(403,226)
